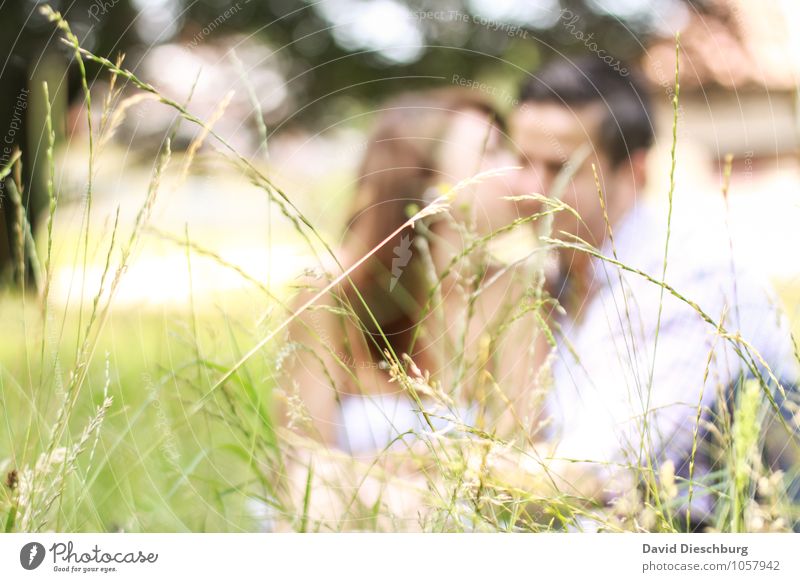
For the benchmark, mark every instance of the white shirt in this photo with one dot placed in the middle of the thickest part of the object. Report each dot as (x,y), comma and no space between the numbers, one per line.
(370,423)
(621,371)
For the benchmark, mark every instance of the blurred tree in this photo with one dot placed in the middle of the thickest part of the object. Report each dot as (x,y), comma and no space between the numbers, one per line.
(357,51)
(31,53)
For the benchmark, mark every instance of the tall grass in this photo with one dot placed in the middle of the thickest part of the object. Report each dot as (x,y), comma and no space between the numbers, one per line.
(183,424)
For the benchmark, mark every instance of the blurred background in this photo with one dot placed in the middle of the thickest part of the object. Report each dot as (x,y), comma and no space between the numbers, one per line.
(319,71)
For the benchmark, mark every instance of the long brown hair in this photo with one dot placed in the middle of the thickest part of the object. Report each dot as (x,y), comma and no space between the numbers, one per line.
(400,164)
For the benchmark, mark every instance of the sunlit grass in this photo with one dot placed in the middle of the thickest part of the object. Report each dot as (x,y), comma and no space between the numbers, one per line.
(171,415)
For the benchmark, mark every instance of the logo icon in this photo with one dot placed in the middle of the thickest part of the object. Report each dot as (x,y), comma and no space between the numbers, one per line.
(31,555)
(402,255)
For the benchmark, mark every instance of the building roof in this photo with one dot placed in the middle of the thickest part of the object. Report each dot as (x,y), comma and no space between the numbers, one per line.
(732,44)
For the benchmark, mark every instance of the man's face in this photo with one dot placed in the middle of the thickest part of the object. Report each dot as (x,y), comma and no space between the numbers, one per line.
(546,135)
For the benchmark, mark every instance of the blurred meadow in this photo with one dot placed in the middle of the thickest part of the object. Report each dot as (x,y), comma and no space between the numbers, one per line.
(171,202)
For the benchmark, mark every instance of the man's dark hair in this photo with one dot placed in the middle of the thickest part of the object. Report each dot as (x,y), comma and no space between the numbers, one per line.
(588,80)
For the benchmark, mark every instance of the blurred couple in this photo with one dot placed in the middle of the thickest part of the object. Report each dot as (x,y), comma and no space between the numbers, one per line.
(532,309)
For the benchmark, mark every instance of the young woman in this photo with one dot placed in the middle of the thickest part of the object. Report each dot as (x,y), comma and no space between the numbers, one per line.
(435,298)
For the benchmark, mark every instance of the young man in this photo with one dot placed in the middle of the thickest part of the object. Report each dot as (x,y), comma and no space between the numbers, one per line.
(636,361)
